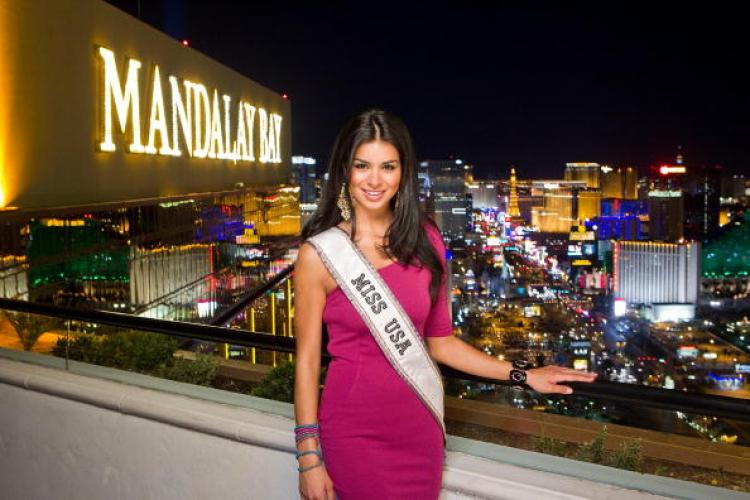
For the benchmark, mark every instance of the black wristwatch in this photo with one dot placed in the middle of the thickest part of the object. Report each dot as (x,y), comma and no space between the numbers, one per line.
(518,374)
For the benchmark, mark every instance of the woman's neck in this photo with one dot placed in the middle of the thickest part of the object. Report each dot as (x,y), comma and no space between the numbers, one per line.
(375,224)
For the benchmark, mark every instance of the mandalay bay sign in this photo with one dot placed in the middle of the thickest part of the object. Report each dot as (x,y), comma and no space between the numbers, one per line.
(99,108)
(182,118)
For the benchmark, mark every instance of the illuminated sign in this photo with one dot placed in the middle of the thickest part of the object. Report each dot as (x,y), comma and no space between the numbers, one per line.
(581,262)
(582,236)
(670,169)
(200,123)
(687,351)
(664,194)
(620,307)
(581,164)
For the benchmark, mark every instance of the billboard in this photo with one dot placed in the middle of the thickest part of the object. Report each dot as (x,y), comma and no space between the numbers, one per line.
(98,107)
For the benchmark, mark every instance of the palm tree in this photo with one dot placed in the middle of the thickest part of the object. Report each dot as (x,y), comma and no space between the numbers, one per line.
(28,327)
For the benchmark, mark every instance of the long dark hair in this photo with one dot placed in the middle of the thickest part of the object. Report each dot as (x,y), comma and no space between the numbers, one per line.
(406,239)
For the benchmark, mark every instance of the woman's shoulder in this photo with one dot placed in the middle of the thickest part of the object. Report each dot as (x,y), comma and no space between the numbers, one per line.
(307,256)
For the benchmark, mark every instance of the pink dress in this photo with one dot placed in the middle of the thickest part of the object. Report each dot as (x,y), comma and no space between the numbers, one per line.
(378,440)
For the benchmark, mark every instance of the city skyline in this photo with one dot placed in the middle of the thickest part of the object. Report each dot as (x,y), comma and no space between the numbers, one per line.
(532,86)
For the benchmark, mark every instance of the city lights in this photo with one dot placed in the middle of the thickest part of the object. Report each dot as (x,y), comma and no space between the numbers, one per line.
(667,169)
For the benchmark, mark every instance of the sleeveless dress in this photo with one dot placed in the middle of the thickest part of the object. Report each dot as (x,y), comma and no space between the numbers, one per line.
(378,440)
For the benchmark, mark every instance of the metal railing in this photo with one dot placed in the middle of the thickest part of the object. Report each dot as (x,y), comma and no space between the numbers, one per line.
(654,397)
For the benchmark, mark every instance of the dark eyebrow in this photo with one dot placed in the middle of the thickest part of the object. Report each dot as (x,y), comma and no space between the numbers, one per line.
(384,163)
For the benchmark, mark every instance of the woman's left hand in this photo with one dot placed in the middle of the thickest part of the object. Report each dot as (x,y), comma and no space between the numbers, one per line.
(547,378)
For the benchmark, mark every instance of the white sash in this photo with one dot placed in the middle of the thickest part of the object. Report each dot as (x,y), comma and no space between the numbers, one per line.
(389,324)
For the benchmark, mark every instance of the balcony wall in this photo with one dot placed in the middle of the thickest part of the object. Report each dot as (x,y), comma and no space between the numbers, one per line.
(93,432)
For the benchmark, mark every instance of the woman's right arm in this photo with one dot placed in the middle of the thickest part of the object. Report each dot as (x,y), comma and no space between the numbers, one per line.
(309,300)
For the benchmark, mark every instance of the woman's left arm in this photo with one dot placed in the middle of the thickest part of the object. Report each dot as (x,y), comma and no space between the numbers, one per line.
(456,353)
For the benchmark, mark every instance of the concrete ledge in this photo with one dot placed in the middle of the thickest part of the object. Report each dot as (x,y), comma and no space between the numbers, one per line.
(116,426)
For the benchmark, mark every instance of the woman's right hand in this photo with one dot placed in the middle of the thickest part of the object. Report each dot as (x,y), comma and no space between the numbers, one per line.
(315,484)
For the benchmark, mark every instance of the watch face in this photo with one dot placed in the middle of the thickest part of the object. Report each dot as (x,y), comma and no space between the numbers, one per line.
(517,376)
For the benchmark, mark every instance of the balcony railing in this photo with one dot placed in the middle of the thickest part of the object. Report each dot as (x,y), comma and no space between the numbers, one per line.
(654,397)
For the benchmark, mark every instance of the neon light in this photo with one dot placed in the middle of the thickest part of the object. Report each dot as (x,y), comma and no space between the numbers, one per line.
(664,194)
(250,124)
(263,122)
(666,170)
(277,137)
(214,151)
(157,119)
(240,145)
(228,153)
(200,148)
(182,110)
(198,121)
(123,101)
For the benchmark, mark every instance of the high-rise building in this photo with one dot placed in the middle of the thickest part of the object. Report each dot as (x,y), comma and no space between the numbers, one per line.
(666,214)
(654,273)
(167,208)
(449,193)
(702,192)
(611,182)
(304,174)
(630,188)
(588,204)
(584,171)
(556,215)
(619,182)
(733,188)
(483,194)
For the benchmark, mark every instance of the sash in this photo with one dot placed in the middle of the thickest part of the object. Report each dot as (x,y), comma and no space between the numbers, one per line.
(382,313)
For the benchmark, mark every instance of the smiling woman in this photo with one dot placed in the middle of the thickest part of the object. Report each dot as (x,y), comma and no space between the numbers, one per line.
(373,270)
(376,175)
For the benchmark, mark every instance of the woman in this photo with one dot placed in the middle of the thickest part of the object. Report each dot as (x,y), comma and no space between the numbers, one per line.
(376,435)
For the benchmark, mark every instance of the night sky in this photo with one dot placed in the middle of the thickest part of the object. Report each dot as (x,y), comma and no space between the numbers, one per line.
(531,84)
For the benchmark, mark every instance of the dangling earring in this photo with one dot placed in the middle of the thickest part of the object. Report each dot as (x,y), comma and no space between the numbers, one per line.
(343,205)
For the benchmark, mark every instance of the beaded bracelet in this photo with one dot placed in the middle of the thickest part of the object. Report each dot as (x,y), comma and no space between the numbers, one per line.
(309,452)
(305,431)
(305,469)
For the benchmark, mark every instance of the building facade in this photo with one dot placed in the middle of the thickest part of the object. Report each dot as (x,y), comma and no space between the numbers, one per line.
(449,195)
(652,273)
(136,174)
(666,215)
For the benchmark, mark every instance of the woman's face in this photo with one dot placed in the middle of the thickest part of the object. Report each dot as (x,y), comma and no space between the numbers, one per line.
(375,176)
